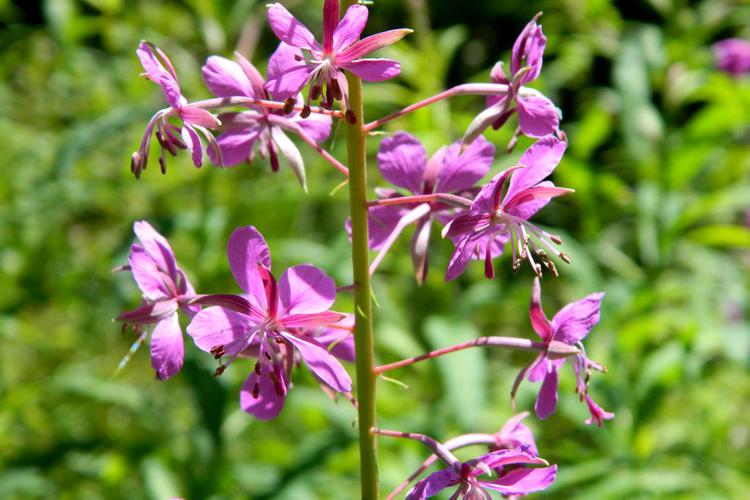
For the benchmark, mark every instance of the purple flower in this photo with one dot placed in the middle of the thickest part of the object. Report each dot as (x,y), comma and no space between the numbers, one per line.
(733,56)
(537,116)
(402,160)
(494,218)
(516,481)
(159,70)
(301,59)
(266,321)
(165,290)
(569,326)
(259,125)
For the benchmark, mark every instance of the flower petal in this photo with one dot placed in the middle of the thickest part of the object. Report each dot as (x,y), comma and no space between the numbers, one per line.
(157,73)
(147,276)
(574,321)
(270,394)
(305,289)
(317,126)
(433,484)
(546,401)
(193,144)
(286,74)
(236,145)
(292,155)
(218,326)
(539,160)
(167,347)
(246,249)
(312,320)
(156,246)
(461,170)
(225,78)
(323,365)
(199,117)
(337,338)
(523,480)
(402,161)
(350,27)
(373,70)
(539,321)
(370,44)
(381,223)
(537,116)
(289,30)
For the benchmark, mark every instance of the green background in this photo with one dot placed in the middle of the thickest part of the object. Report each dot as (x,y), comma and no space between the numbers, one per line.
(659,157)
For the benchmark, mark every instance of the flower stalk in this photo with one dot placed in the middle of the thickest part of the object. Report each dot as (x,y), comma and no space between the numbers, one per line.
(363,335)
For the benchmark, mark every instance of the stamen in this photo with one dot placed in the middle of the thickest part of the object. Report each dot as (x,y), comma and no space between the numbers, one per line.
(218,351)
(337,94)
(305,111)
(219,370)
(289,105)
(351,117)
(256,390)
(315,92)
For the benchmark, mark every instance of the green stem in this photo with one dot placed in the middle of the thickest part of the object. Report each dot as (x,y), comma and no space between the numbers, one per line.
(363,337)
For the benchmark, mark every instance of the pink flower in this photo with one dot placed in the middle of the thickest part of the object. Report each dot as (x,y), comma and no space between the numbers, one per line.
(165,290)
(268,320)
(403,161)
(259,125)
(518,480)
(159,70)
(569,326)
(537,116)
(300,59)
(733,56)
(494,218)
(598,414)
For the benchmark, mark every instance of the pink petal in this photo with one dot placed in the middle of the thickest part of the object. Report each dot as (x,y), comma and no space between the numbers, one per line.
(321,363)
(147,313)
(305,289)
(525,207)
(381,223)
(461,170)
(167,347)
(157,73)
(537,116)
(350,27)
(172,92)
(539,321)
(225,78)
(147,275)
(193,143)
(574,321)
(289,150)
(217,326)
(289,30)
(539,368)
(539,160)
(312,320)
(338,335)
(373,70)
(402,161)
(236,146)
(317,126)
(500,458)
(546,401)
(598,414)
(271,396)
(433,484)
(370,44)
(518,435)
(290,81)
(459,259)
(252,74)
(530,46)
(246,249)
(199,116)
(523,481)
(330,20)
(419,249)
(156,246)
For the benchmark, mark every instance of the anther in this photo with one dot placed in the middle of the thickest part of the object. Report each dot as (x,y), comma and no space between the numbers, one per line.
(162,165)
(256,390)
(305,111)
(315,92)
(219,370)
(565,258)
(218,351)
(289,105)
(257,368)
(351,117)
(555,239)
(337,94)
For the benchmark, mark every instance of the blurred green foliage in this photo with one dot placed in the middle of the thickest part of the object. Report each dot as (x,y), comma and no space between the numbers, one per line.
(659,157)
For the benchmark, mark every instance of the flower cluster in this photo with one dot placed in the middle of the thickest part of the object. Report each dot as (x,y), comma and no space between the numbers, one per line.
(283,323)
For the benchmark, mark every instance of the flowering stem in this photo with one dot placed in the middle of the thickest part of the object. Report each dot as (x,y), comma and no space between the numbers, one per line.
(450,445)
(222,102)
(465,89)
(505,342)
(437,448)
(363,336)
(449,199)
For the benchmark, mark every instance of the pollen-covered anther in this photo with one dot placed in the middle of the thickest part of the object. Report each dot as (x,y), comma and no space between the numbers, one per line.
(555,239)
(516,265)
(289,105)
(218,351)
(565,258)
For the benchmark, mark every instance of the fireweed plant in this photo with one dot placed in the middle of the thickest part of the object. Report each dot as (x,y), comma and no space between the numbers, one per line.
(275,325)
